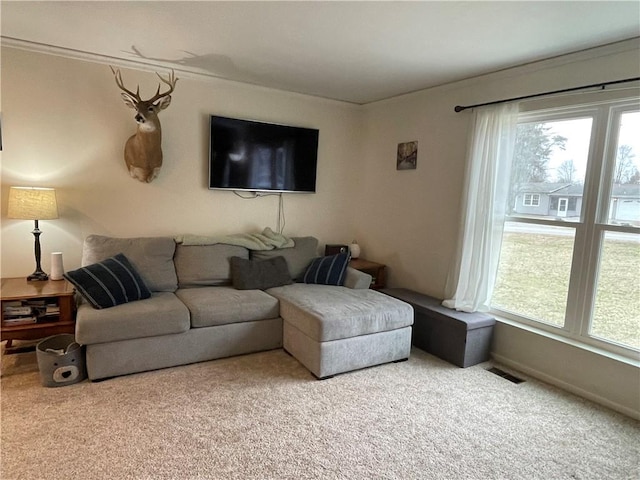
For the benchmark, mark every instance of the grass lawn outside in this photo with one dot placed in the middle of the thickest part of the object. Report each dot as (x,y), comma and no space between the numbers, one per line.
(533,281)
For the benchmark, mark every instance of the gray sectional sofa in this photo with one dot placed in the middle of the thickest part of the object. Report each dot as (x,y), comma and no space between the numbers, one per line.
(195,314)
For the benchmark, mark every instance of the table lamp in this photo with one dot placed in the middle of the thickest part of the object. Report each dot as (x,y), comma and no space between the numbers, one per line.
(33,203)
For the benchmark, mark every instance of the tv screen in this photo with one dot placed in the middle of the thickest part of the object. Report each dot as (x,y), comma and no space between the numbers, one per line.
(262,157)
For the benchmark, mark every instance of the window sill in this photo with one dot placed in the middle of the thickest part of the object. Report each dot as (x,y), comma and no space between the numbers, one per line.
(629,360)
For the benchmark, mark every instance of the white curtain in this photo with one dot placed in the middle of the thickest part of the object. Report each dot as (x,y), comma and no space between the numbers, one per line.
(470,283)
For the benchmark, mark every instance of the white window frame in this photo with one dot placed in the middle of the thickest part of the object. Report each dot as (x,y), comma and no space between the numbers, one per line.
(592,225)
(534,200)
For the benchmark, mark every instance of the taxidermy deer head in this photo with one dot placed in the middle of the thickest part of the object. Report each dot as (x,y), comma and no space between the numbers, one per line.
(143,150)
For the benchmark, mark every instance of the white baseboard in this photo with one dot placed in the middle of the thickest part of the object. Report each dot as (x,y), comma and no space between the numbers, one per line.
(566,386)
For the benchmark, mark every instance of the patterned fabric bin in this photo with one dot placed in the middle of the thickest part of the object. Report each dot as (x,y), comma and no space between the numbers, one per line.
(60,361)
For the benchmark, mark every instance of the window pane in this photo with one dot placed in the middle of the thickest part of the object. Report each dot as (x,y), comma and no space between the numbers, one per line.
(549,165)
(617,307)
(624,203)
(534,269)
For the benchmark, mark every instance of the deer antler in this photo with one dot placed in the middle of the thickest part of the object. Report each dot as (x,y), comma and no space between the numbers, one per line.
(120,83)
(170,80)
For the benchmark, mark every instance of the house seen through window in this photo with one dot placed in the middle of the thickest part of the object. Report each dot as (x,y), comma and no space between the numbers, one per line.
(531,199)
(570,256)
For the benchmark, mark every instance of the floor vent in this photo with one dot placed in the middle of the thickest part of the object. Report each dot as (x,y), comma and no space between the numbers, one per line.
(505,375)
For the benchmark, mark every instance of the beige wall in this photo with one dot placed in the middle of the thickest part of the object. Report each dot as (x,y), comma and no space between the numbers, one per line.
(64,125)
(409,219)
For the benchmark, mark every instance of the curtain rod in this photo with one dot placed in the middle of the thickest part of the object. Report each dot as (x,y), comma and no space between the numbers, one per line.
(460,108)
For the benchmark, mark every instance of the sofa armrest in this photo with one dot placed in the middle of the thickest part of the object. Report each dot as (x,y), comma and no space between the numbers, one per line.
(357,279)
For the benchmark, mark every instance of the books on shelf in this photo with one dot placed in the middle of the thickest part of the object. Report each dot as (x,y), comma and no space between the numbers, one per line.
(10,310)
(21,312)
(35,302)
(9,322)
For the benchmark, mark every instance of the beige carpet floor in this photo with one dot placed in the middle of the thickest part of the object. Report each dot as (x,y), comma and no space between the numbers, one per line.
(263,416)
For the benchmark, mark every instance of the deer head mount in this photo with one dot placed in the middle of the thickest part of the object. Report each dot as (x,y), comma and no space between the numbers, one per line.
(143,150)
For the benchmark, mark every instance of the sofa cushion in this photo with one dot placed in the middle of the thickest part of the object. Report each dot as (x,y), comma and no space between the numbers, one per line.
(259,274)
(205,265)
(111,282)
(357,279)
(161,314)
(152,257)
(327,270)
(326,312)
(222,305)
(297,257)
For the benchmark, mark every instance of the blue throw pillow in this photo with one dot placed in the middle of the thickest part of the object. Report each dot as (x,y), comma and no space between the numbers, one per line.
(109,283)
(329,270)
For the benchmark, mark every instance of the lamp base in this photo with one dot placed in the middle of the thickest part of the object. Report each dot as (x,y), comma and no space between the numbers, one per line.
(37,276)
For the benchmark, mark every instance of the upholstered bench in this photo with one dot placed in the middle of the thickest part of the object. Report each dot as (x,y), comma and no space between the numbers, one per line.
(333,330)
(461,338)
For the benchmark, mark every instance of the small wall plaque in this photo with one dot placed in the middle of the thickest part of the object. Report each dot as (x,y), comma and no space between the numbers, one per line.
(407,156)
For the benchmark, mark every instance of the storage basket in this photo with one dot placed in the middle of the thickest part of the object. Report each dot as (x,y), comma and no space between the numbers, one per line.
(60,361)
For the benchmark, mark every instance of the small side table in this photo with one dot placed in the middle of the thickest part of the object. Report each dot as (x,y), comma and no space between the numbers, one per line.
(36,309)
(376,270)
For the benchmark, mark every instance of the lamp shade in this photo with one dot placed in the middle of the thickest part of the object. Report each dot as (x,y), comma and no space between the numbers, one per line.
(32,203)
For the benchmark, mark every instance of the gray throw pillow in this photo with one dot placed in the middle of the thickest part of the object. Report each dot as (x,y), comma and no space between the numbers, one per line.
(298,258)
(259,274)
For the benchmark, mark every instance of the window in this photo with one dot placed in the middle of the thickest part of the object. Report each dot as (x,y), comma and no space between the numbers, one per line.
(531,200)
(573,267)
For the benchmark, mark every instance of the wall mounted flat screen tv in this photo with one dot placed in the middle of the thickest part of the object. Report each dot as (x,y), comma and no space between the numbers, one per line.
(261,157)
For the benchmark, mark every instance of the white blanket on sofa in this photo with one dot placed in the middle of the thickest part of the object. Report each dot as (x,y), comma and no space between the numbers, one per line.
(267,240)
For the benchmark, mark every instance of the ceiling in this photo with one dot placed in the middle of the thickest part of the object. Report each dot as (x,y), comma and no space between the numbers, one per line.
(357,52)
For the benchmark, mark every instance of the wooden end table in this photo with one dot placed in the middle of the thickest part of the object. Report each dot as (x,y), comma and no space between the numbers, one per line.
(376,270)
(36,309)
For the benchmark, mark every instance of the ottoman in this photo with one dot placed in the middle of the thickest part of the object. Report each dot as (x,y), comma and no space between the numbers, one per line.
(331,329)
(461,338)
